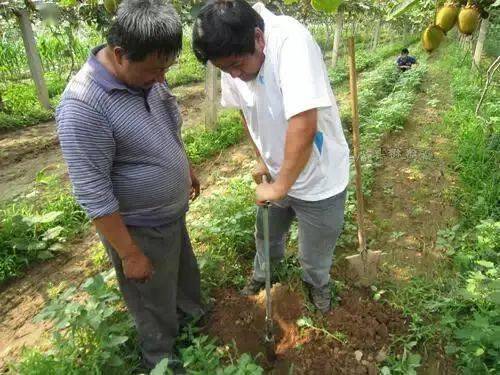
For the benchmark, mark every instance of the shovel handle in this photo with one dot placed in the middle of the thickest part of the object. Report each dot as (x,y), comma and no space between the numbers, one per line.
(267,268)
(356,144)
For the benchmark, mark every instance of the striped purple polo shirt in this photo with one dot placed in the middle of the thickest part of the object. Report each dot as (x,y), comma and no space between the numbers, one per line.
(123,148)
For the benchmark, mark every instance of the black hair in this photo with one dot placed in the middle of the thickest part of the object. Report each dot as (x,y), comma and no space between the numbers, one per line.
(142,27)
(225,28)
(405,50)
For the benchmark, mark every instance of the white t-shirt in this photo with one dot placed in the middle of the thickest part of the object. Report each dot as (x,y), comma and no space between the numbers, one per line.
(292,80)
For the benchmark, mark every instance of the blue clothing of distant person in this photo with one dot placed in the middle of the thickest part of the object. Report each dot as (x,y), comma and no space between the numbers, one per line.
(405,61)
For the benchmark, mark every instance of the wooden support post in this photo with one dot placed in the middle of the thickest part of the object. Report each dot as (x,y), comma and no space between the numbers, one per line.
(34,62)
(211,85)
(376,36)
(338,36)
(480,43)
(356,142)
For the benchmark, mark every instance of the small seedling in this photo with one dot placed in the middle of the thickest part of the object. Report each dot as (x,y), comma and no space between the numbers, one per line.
(306,322)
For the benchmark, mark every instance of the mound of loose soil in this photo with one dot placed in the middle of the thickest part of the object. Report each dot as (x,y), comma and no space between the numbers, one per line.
(366,324)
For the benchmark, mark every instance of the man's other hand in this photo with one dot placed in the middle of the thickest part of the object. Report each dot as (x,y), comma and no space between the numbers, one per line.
(137,267)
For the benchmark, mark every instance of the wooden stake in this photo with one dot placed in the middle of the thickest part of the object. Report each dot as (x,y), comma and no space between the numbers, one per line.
(356,144)
(34,62)
(337,38)
(211,97)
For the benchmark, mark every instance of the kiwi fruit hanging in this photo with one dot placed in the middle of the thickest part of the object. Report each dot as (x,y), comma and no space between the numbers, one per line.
(468,19)
(447,16)
(432,38)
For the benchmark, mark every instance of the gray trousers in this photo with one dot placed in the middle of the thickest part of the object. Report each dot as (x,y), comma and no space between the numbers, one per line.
(174,287)
(319,223)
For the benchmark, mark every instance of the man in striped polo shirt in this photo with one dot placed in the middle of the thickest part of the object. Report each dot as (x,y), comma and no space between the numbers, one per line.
(120,131)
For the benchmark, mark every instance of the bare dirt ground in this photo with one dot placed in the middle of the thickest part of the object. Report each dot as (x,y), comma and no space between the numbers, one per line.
(411,194)
(360,325)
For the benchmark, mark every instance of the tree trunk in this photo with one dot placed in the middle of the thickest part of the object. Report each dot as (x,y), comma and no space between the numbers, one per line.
(328,35)
(338,36)
(406,35)
(34,61)
(376,36)
(355,28)
(211,97)
(480,42)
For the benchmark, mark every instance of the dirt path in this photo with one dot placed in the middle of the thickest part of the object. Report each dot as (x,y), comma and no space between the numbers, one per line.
(410,201)
(411,198)
(25,152)
(23,298)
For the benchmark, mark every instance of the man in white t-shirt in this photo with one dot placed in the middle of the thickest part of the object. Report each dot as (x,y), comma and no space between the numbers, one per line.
(273,71)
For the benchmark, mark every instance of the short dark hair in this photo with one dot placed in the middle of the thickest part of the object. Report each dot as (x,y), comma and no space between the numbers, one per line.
(225,28)
(142,27)
(405,50)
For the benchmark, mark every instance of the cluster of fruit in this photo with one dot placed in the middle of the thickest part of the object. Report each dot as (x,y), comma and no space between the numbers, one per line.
(467,19)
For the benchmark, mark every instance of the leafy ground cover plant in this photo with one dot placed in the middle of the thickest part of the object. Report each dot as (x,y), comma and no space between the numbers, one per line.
(37,226)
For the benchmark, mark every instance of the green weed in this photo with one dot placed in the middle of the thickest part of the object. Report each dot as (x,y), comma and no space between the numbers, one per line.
(203,143)
(93,333)
(188,69)
(224,236)
(307,323)
(36,227)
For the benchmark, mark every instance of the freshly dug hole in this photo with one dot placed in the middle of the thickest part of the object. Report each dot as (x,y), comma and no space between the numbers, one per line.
(366,324)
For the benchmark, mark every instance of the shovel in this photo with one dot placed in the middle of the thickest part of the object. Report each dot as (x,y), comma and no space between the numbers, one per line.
(269,334)
(366,263)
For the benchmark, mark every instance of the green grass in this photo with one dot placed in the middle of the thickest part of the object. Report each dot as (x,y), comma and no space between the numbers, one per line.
(203,143)
(21,105)
(223,237)
(38,226)
(375,85)
(385,102)
(55,46)
(472,312)
(188,69)
(22,108)
(364,60)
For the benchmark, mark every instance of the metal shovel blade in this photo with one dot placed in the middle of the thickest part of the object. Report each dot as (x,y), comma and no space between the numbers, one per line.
(365,265)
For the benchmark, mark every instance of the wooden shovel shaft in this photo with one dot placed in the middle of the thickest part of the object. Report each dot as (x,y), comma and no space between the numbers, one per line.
(356,144)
